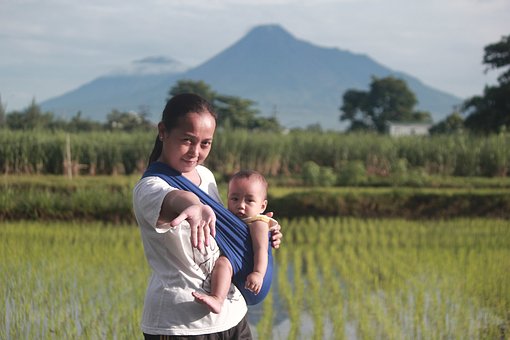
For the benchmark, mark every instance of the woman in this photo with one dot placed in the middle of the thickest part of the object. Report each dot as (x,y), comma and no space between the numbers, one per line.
(176,227)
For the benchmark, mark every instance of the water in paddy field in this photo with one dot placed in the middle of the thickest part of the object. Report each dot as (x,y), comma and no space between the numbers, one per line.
(281,321)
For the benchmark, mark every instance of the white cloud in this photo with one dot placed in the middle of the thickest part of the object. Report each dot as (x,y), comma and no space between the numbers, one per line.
(52,46)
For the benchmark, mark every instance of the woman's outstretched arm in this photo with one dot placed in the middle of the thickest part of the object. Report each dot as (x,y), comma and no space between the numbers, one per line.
(180,205)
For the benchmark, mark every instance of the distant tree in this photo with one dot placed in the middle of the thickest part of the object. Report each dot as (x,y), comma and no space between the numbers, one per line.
(266,124)
(2,113)
(15,120)
(193,86)
(490,112)
(316,127)
(454,123)
(389,99)
(144,112)
(126,121)
(497,55)
(78,123)
(29,119)
(232,111)
(421,116)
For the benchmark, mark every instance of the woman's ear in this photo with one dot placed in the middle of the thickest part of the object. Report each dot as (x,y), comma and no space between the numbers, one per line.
(161,130)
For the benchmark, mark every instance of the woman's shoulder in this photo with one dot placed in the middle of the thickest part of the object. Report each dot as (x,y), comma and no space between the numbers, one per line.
(150,185)
(150,181)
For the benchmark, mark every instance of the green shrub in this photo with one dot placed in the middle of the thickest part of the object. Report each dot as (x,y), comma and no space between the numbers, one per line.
(328,177)
(311,173)
(353,174)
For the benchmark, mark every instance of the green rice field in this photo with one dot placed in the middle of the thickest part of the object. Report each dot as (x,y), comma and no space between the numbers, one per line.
(337,278)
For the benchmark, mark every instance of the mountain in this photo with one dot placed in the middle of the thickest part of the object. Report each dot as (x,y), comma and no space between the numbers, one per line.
(143,84)
(297,81)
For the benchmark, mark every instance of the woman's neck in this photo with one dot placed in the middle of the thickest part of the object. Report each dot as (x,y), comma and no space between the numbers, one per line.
(193,176)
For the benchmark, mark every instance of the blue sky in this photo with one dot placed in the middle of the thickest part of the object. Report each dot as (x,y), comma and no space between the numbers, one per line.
(49,47)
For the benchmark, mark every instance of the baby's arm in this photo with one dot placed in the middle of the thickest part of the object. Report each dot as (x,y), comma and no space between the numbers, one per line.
(259,235)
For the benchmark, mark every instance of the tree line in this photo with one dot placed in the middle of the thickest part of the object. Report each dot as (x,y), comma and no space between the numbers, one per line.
(232,111)
(388,99)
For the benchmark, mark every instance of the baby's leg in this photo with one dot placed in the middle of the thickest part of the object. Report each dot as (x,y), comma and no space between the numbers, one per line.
(220,285)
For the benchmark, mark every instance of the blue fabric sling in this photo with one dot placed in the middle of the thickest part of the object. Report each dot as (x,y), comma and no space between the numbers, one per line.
(232,234)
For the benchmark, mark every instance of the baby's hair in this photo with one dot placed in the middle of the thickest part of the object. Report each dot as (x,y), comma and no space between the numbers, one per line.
(176,108)
(247,174)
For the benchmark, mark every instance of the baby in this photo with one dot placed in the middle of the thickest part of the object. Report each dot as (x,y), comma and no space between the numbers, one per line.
(247,199)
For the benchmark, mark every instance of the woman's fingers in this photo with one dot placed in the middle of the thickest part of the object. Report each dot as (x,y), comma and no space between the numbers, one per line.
(212,226)
(200,234)
(276,234)
(276,237)
(194,234)
(185,215)
(202,221)
(207,233)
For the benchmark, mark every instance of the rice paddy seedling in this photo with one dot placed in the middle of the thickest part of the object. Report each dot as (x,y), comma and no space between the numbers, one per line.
(386,279)
(401,279)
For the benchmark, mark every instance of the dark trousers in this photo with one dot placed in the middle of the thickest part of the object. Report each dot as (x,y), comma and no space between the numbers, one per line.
(239,332)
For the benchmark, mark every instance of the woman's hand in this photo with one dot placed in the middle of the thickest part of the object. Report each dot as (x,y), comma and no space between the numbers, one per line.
(202,221)
(276,234)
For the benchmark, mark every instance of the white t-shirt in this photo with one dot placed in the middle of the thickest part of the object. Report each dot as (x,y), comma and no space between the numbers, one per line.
(178,269)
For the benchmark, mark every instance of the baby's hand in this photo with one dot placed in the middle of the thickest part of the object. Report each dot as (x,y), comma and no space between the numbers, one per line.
(254,282)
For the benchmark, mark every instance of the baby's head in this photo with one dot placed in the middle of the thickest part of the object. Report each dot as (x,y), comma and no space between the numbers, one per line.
(247,193)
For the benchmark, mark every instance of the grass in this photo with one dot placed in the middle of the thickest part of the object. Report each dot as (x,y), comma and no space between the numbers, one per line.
(371,278)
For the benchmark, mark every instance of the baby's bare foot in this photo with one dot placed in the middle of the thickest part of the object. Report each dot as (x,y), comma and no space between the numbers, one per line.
(214,303)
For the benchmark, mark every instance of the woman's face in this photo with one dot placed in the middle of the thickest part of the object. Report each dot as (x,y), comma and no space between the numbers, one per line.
(188,144)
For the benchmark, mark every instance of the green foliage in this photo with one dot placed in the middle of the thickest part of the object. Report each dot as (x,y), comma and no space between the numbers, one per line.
(80,124)
(490,111)
(396,279)
(315,175)
(2,113)
(274,154)
(92,153)
(353,174)
(454,123)
(497,55)
(108,198)
(233,112)
(71,280)
(32,118)
(311,173)
(389,99)
(199,87)
(109,201)
(376,278)
(127,121)
(393,203)
(29,119)
(327,177)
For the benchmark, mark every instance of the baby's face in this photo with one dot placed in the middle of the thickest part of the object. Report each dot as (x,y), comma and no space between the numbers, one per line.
(246,197)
